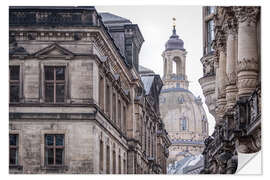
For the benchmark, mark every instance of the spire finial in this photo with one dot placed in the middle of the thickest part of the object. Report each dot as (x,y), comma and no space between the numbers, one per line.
(174,24)
(174,19)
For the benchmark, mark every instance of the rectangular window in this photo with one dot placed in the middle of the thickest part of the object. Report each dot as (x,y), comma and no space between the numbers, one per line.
(13,149)
(152,144)
(108,159)
(108,100)
(101,92)
(114,162)
(210,10)
(114,108)
(124,119)
(125,168)
(119,114)
(101,155)
(55,84)
(14,83)
(183,124)
(210,35)
(119,164)
(149,142)
(54,149)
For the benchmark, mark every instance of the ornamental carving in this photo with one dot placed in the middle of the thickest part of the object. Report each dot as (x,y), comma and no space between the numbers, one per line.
(208,66)
(231,78)
(230,22)
(247,14)
(247,84)
(247,65)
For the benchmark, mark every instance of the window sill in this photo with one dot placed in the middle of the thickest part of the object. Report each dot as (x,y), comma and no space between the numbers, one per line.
(55,166)
(16,167)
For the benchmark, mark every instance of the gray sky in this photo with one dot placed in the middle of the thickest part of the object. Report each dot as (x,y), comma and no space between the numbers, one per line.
(155,23)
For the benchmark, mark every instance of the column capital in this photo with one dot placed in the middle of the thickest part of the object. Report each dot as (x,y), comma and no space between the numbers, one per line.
(230,26)
(246,14)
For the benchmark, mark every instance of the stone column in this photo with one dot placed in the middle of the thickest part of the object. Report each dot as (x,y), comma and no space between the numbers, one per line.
(231,42)
(169,65)
(164,67)
(221,80)
(247,63)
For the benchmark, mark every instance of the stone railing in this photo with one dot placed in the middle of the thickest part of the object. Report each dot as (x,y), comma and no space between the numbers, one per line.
(52,16)
(254,104)
(248,112)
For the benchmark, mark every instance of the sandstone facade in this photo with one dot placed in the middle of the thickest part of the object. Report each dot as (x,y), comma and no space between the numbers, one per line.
(77,102)
(231,84)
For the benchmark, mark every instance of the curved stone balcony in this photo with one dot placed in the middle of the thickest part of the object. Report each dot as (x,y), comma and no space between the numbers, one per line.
(208,86)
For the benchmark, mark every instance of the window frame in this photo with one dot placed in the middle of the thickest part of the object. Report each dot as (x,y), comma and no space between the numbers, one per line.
(17,82)
(209,35)
(55,82)
(17,147)
(54,147)
(108,98)
(119,164)
(108,156)
(210,10)
(101,155)
(182,120)
(114,162)
(47,63)
(101,91)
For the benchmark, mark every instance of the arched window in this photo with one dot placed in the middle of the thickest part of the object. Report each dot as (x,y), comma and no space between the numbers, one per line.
(181,100)
(174,67)
(183,123)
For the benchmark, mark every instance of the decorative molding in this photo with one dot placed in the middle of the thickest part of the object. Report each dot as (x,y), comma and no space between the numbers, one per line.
(247,65)
(54,51)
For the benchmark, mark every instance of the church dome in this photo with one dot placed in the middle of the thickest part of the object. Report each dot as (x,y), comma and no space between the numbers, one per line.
(174,42)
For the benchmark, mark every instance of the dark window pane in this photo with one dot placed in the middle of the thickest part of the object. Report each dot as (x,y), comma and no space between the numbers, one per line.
(49,156)
(14,72)
(60,73)
(49,92)
(59,156)
(49,73)
(49,140)
(60,92)
(13,139)
(14,93)
(13,156)
(59,140)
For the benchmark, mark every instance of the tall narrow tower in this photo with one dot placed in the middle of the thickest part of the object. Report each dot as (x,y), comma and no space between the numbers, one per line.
(182,112)
(174,62)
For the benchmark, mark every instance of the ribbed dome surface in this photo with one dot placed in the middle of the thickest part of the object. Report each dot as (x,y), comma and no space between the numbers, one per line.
(174,42)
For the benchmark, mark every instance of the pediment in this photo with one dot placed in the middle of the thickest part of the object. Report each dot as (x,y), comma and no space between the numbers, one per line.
(54,51)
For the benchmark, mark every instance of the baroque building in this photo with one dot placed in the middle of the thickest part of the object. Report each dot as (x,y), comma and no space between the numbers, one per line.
(231,84)
(79,102)
(182,112)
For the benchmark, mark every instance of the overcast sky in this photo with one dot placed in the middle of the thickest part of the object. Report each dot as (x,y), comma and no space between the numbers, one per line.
(155,23)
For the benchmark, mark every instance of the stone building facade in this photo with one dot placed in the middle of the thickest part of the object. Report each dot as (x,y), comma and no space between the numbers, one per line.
(231,84)
(182,112)
(78,103)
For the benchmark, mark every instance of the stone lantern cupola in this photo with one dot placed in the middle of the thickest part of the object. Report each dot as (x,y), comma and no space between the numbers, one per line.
(174,42)
(174,62)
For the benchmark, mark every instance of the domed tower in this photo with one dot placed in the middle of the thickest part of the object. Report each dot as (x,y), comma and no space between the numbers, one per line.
(182,113)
